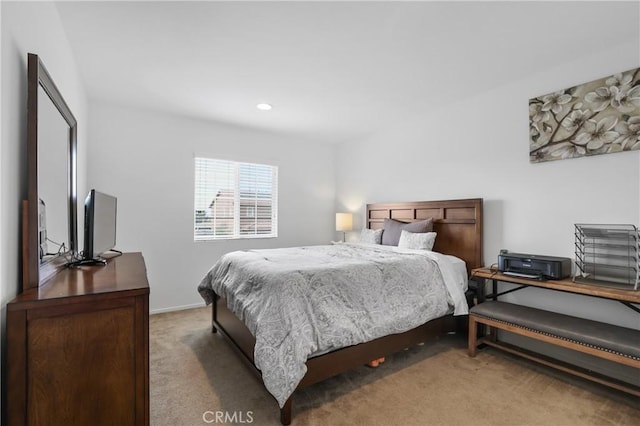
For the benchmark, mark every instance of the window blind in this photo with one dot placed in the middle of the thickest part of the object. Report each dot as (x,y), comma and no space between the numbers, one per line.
(235,200)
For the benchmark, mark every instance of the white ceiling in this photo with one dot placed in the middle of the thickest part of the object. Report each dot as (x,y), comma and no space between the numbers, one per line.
(334,71)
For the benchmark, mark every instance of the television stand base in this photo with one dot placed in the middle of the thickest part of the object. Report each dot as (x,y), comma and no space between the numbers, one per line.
(87,262)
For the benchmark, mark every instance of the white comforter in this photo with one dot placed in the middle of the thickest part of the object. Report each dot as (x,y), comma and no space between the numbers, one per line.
(302,301)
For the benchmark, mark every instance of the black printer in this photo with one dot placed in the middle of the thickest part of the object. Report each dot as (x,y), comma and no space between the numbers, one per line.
(534,266)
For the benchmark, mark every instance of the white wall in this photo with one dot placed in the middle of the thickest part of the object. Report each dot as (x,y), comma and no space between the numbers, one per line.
(478,147)
(28,27)
(146,159)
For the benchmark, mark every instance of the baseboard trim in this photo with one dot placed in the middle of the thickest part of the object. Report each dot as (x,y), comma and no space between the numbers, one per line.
(176,308)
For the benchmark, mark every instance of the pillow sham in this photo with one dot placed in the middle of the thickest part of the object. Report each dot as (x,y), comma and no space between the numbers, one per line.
(417,241)
(371,236)
(393,229)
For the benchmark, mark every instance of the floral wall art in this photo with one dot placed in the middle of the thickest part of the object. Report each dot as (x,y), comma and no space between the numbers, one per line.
(599,117)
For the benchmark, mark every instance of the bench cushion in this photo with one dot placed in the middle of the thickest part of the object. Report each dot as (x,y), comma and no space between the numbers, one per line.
(621,340)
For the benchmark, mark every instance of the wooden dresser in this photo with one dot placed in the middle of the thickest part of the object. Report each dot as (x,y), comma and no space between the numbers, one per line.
(78,348)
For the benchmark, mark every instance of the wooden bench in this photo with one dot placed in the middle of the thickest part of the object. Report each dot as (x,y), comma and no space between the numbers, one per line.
(614,343)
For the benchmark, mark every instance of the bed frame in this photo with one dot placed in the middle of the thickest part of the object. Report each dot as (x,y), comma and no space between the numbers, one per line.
(459,227)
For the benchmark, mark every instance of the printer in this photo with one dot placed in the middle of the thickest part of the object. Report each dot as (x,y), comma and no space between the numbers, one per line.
(534,266)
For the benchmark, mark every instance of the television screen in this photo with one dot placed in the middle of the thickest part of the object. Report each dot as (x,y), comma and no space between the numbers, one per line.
(99,224)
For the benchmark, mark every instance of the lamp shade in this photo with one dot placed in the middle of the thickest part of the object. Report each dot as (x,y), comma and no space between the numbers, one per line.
(344,222)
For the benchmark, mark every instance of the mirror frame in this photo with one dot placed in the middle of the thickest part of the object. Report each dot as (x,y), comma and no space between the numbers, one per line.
(34,274)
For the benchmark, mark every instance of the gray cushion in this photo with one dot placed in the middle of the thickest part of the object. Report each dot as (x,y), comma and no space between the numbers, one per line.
(393,229)
(625,341)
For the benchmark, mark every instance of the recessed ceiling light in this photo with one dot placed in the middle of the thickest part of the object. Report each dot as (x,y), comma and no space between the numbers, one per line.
(264,107)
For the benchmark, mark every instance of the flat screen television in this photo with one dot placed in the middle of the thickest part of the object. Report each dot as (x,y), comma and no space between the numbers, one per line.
(99,226)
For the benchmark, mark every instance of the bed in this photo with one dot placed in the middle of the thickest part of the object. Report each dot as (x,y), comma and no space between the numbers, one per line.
(458,224)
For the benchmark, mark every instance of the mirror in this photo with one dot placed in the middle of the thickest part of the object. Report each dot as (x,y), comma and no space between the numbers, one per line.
(49,213)
(52,180)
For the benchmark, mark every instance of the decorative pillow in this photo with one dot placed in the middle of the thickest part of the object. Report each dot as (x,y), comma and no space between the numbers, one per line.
(371,236)
(393,229)
(415,241)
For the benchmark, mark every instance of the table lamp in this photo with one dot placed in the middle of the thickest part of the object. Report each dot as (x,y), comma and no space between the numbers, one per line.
(344,223)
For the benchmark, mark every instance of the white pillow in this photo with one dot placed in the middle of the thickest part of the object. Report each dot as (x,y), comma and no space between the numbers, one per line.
(371,236)
(417,241)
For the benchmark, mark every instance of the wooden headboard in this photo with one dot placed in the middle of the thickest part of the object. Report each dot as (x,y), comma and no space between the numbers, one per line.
(457,222)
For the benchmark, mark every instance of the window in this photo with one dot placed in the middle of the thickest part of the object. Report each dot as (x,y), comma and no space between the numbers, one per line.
(235,200)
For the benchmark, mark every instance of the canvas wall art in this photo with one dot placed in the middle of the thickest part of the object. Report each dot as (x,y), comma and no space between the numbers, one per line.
(599,117)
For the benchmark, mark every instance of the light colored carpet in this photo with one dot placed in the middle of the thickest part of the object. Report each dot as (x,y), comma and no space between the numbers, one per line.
(196,376)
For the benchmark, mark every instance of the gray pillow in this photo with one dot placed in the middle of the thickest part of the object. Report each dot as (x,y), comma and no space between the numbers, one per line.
(371,236)
(393,229)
